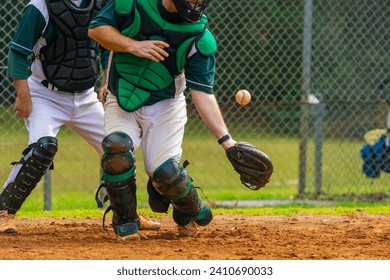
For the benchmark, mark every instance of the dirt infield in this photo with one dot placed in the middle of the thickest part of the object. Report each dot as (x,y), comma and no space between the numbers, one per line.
(228,237)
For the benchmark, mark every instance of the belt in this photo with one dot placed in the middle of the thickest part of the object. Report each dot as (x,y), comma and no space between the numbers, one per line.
(48,85)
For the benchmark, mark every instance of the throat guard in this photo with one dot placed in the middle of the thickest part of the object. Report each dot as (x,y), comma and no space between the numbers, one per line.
(69,60)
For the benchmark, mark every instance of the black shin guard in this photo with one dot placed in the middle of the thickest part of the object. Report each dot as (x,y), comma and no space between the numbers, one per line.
(190,204)
(36,161)
(118,165)
(122,196)
(173,182)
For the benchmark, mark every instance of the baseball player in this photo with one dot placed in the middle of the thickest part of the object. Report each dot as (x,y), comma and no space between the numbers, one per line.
(56,88)
(160,48)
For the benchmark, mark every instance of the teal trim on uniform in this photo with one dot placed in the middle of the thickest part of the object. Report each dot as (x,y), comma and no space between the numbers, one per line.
(126,229)
(202,213)
(207,45)
(124,7)
(162,165)
(119,178)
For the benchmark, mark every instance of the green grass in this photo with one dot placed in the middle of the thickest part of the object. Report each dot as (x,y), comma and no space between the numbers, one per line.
(290,209)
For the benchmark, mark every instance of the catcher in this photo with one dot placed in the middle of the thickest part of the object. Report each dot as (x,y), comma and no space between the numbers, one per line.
(56,88)
(161,47)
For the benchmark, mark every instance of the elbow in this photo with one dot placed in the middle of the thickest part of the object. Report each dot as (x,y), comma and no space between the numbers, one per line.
(92,34)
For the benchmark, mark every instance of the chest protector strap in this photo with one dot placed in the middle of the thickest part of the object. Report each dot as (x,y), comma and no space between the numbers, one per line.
(139,77)
(69,59)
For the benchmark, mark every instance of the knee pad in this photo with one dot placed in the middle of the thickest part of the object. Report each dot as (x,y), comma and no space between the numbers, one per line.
(45,150)
(173,182)
(117,142)
(36,160)
(118,160)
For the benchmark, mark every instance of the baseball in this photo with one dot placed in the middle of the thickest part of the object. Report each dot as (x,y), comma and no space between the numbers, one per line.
(243,97)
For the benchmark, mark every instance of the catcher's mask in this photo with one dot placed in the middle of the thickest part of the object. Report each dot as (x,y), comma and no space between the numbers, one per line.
(190,10)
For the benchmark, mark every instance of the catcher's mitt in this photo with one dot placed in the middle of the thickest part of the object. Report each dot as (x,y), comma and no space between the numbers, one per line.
(254,166)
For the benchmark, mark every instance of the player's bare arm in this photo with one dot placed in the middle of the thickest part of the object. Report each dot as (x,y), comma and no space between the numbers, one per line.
(208,109)
(23,104)
(111,39)
(103,91)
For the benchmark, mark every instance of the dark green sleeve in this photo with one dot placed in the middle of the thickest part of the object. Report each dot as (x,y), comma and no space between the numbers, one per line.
(200,72)
(28,31)
(105,17)
(18,65)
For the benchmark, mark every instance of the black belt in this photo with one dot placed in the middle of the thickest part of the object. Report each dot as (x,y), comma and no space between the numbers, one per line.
(48,85)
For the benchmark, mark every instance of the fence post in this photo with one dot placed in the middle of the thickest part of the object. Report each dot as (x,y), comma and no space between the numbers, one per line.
(318,143)
(304,120)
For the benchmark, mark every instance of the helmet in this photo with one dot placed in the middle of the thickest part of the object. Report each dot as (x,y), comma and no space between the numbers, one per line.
(190,11)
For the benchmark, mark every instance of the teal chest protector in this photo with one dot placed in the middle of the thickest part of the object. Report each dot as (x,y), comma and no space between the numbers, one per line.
(137,78)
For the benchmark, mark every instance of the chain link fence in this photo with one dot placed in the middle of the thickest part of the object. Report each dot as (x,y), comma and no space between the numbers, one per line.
(317,71)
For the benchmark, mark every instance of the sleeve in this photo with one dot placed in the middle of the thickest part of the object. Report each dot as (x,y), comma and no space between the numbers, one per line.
(200,73)
(28,31)
(106,16)
(18,65)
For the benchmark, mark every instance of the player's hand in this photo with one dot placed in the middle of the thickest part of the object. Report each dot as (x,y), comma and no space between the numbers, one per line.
(150,49)
(23,103)
(103,92)
(23,107)
(111,39)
